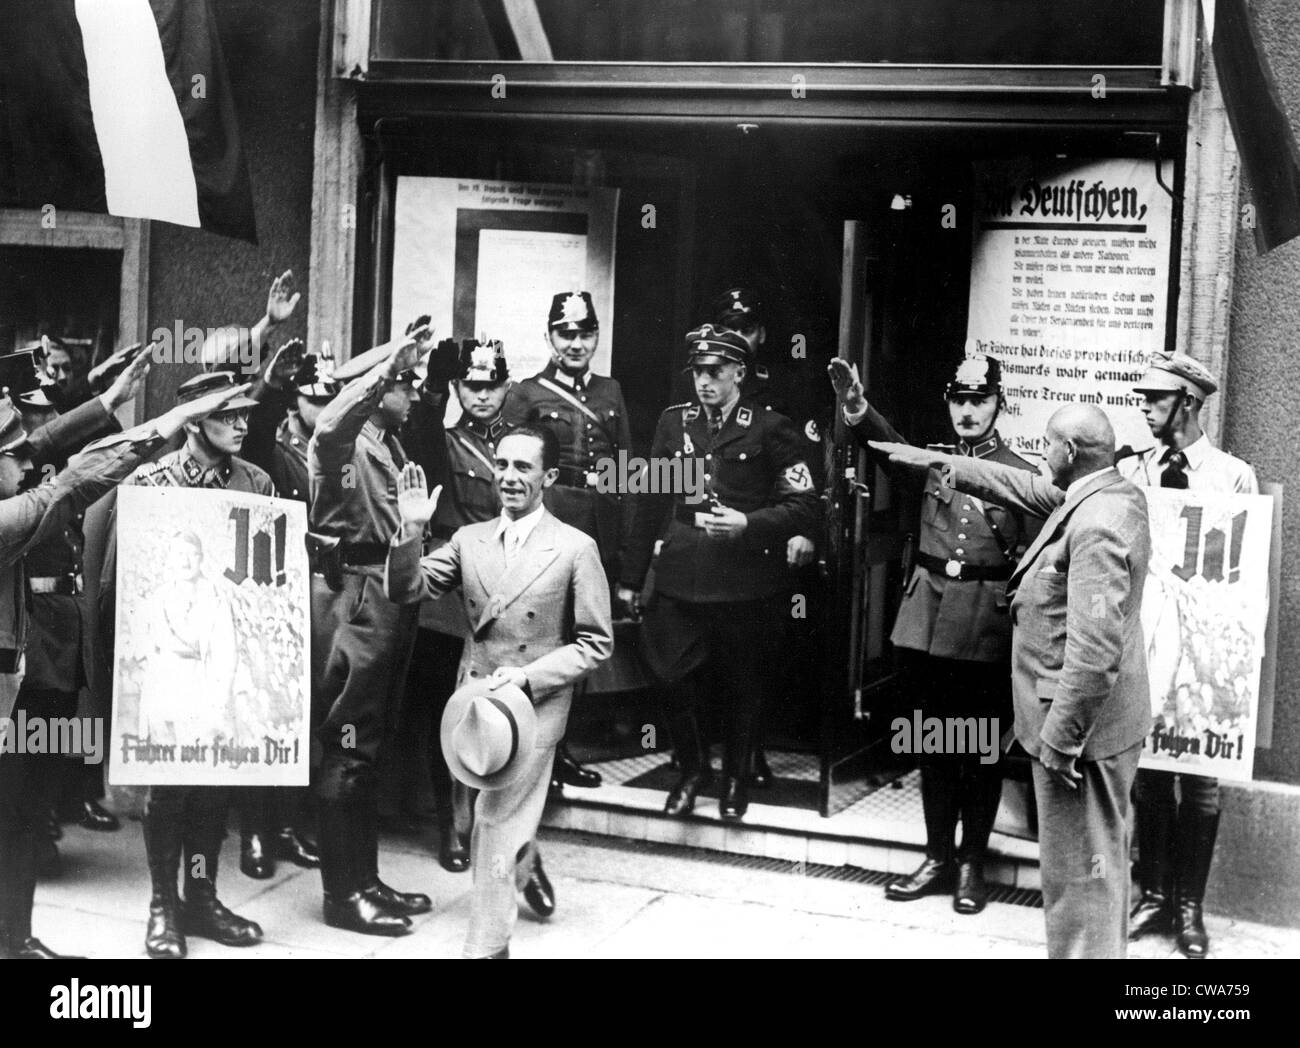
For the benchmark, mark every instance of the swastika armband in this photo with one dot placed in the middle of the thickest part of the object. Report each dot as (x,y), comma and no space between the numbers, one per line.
(798,477)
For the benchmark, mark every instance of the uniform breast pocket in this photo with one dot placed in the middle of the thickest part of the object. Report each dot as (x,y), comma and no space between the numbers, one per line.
(934,512)
(743,461)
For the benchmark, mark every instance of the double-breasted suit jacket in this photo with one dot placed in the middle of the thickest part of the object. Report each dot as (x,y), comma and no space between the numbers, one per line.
(548,614)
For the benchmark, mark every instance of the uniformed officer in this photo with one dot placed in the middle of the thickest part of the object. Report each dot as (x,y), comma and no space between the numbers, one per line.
(191,819)
(721,576)
(33,623)
(459,458)
(361,642)
(782,383)
(953,627)
(587,413)
(1176,836)
(293,389)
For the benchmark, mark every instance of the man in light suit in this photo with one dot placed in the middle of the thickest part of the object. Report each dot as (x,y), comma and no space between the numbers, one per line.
(537,599)
(1079,672)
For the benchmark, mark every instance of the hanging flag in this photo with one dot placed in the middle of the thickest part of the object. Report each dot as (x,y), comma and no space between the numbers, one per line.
(121,106)
(1270,161)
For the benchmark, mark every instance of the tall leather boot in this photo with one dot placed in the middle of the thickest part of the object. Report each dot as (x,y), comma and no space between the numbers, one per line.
(981,792)
(1197,832)
(940,804)
(401,904)
(201,911)
(693,759)
(1154,911)
(349,839)
(733,801)
(163,939)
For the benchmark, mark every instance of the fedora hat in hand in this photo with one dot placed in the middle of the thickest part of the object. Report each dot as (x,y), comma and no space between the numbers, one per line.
(487,735)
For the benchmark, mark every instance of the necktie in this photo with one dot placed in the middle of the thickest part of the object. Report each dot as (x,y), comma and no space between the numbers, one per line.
(511,540)
(1174,474)
(715,423)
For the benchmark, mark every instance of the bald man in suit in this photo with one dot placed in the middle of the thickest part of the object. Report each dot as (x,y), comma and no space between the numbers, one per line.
(1079,672)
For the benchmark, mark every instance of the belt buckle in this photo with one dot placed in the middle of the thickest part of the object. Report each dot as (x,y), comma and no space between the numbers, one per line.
(952,569)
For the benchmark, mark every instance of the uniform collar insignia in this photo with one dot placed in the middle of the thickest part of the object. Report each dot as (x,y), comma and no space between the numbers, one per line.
(761,371)
(691,413)
(744,417)
(983,449)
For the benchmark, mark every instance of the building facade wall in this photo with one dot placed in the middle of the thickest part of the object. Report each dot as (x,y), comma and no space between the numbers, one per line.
(1263,384)
(205,280)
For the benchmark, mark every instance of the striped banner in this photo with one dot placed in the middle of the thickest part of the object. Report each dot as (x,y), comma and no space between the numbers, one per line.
(121,106)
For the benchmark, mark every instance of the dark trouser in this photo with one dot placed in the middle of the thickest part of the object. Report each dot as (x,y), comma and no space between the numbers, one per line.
(964,787)
(735,638)
(266,810)
(360,651)
(1176,839)
(1083,842)
(189,824)
(28,782)
(435,663)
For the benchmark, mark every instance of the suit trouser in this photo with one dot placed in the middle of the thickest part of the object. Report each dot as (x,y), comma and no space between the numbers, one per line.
(27,785)
(1083,842)
(502,850)
(360,659)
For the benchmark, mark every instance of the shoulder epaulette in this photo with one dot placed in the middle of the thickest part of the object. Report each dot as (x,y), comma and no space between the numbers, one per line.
(678,407)
(948,449)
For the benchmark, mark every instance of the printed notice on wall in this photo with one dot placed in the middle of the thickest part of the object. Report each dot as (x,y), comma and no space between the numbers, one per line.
(211,671)
(1069,287)
(1204,620)
(484,257)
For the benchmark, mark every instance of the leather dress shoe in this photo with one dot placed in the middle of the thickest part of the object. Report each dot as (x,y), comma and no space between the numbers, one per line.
(1193,941)
(405,904)
(453,851)
(972,893)
(360,913)
(253,858)
(931,877)
(291,847)
(94,817)
(569,772)
(1153,914)
(538,891)
(734,801)
(681,799)
(204,915)
(760,777)
(32,949)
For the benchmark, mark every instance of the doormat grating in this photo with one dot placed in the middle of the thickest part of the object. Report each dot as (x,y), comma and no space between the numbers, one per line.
(849,874)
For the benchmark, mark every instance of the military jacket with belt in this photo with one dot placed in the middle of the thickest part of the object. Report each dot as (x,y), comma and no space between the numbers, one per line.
(584,441)
(941,613)
(56,616)
(288,465)
(755,464)
(353,467)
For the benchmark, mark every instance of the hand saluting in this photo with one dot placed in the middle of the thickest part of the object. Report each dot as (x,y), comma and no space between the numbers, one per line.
(415,506)
(848,385)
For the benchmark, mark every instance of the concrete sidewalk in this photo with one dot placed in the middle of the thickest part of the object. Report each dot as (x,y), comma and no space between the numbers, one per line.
(615,899)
